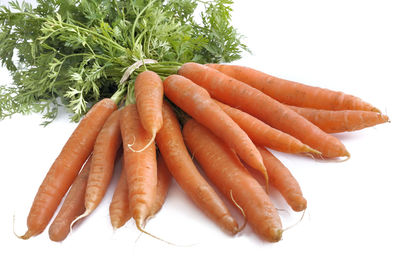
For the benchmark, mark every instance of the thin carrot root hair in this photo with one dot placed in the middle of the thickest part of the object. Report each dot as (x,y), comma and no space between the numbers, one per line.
(335,160)
(153,137)
(83,215)
(240,229)
(296,223)
(141,229)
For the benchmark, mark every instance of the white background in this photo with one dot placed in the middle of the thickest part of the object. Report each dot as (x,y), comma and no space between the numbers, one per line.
(352,216)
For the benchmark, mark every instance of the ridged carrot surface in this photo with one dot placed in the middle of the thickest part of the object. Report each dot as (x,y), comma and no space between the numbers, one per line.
(67,166)
(248,99)
(294,93)
(225,170)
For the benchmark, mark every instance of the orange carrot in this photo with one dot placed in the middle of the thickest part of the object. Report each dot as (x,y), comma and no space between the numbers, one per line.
(196,102)
(342,120)
(293,93)
(224,169)
(248,99)
(264,135)
(172,147)
(66,167)
(140,167)
(163,184)
(149,94)
(72,207)
(119,206)
(102,168)
(283,180)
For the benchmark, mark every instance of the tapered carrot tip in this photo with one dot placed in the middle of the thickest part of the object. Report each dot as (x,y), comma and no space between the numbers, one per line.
(230,225)
(275,234)
(25,236)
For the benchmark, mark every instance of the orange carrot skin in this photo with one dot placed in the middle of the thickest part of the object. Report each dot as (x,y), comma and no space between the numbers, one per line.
(342,120)
(264,135)
(66,167)
(104,154)
(149,94)
(282,179)
(72,207)
(196,102)
(179,162)
(163,184)
(119,206)
(225,170)
(140,167)
(248,99)
(294,93)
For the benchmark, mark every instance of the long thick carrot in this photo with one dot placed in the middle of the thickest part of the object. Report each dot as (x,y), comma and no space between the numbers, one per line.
(149,94)
(172,147)
(140,167)
(119,206)
(224,169)
(66,167)
(294,93)
(341,120)
(265,135)
(102,168)
(72,207)
(196,102)
(282,179)
(248,99)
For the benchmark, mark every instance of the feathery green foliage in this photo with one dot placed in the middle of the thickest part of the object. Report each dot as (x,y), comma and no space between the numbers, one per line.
(74,52)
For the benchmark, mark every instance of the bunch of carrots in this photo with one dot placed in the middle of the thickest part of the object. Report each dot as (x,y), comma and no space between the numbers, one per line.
(226,117)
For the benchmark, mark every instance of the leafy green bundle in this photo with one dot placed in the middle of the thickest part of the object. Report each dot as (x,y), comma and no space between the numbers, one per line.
(75,52)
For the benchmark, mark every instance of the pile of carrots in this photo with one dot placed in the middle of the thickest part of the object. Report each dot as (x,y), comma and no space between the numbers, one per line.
(224,116)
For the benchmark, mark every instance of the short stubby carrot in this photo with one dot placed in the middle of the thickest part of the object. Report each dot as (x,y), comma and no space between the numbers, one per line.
(72,207)
(282,179)
(248,99)
(149,92)
(341,120)
(196,102)
(264,135)
(225,170)
(140,167)
(104,154)
(67,166)
(179,162)
(119,206)
(294,93)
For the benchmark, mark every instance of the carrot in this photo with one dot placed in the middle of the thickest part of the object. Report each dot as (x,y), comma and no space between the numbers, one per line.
(72,207)
(225,170)
(102,168)
(172,147)
(342,120)
(163,184)
(119,206)
(264,135)
(196,102)
(283,180)
(149,93)
(293,93)
(140,168)
(248,99)
(66,167)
